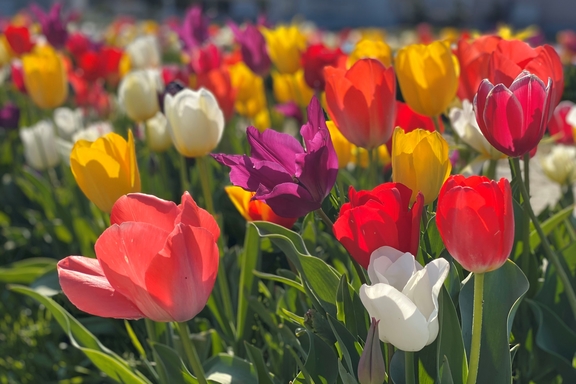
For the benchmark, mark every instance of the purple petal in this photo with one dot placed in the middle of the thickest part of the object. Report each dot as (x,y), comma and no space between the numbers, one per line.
(316,121)
(315,173)
(280,148)
(289,200)
(290,109)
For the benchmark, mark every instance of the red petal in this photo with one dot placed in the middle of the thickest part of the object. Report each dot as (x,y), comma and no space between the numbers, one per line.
(138,207)
(195,216)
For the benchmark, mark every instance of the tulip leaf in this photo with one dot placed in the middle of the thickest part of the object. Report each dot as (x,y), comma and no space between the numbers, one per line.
(104,359)
(345,344)
(346,377)
(320,362)
(350,309)
(397,363)
(27,270)
(450,346)
(503,291)
(280,279)
(444,373)
(134,339)
(170,366)
(228,369)
(255,356)
(550,224)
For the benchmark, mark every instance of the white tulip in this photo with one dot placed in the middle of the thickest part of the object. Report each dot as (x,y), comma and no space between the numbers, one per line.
(157,133)
(465,125)
(40,145)
(560,164)
(144,52)
(404,297)
(138,93)
(68,121)
(195,121)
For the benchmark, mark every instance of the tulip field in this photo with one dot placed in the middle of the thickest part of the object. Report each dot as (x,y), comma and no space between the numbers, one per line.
(198,201)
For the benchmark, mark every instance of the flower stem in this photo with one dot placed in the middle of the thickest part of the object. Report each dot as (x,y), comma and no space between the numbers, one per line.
(185,185)
(550,254)
(409,368)
(205,183)
(490,171)
(191,353)
(476,328)
(329,224)
(151,330)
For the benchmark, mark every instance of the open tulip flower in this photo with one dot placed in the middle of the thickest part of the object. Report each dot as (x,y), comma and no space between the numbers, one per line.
(513,119)
(404,297)
(292,180)
(157,260)
(560,127)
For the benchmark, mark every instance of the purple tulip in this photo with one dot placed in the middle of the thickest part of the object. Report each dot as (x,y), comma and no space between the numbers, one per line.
(9,116)
(194,30)
(290,109)
(252,47)
(292,180)
(53,25)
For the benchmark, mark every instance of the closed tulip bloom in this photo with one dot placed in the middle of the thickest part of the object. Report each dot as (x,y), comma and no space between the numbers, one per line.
(45,77)
(144,52)
(371,369)
(560,126)
(204,59)
(194,30)
(409,120)
(513,119)
(68,121)
(382,216)
(341,144)
(250,92)
(560,164)
(195,121)
(9,116)
(314,60)
(138,94)
(404,297)
(420,161)
(255,210)
(291,87)
(157,133)
(106,169)
(39,143)
(362,102)
(157,260)
(475,218)
(18,38)
(252,47)
(428,77)
(374,49)
(219,82)
(285,46)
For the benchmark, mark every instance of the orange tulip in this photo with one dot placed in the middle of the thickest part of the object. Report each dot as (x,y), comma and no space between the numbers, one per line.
(254,210)
(218,82)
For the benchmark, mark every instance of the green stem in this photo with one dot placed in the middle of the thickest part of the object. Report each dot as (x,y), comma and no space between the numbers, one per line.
(151,330)
(191,352)
(550,254)
(409,367)
(389,354)
(185,185)
(476,328)
(205,183)
(329,224)
(490,172)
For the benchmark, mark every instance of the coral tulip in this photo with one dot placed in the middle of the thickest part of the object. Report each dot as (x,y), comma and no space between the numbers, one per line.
(157,260)
(314,60)
(428,77)
(560,127)
(382,216)
(285,46)
(45,77)
(513,119)
(253,210)
(475,218)
(420,161)
(362,102)
(106,169)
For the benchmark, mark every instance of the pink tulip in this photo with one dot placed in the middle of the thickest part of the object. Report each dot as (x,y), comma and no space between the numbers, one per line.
(157,260)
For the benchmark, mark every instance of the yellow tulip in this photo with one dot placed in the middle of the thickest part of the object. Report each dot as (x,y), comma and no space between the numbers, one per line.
(262,120)
(420,161)
(360,156)
(428,76)
(342,146)
(291,87)
(374,49)
(250,96)
(106,169)
(285,46)
(45,77)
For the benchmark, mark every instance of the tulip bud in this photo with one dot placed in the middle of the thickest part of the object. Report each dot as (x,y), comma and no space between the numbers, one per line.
(195,121)
(45,77)
(137,93)
(371,369)
(157,135)
(285,46)
(40,145)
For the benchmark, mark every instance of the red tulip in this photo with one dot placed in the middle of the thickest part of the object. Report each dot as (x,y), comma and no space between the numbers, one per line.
(158,260)
(218,82)
(173,72)
(91,66)
(475,218)
(511,57)
(473,58)
(361,102)
(382,216)
(19,39)
(78,44)
(111,57)
(205,59)
(409,120)
(513,119)
(17,74)
(560,129)
(314,59)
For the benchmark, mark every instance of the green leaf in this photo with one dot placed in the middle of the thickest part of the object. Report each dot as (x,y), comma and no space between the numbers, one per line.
(104,359)
(346,344)
(27,270)
(503,291)
(549,225)
(227,369)
(444,373)
(135,342)
(255,356)
(170,365)
(321,362)
(450,346)
(248,263)
(280,279)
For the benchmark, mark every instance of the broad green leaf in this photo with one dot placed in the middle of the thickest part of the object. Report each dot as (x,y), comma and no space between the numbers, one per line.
(248,263)
(27,270)
(450,346)
(503,291)
(444,373)
(549,225)
(48,284)
(321,362)
(397,367)
(104,359)
(255,356)
(345,344)
(227,369)
(170,365)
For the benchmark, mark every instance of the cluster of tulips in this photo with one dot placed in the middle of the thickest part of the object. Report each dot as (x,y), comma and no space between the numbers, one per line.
(390,181)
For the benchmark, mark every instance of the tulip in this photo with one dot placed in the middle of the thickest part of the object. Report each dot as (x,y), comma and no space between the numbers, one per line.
(428,77)
(9,116)
(204,59)
(194,30)
(137,93)
(45,77)
(292,110)
(341,145)
(78,44)
(560,164)
(254,210)
(465,125)
(371,369)
(18,38)
(157,133)
(39,143)
(314,60)
(291,87)
(105,169)
(53,25)
(362,102)
(420,161)
(144,52)
(90,64)
(219,82)
(409,120)
(404,297)
(292,180)
(382,216)
(250,95)
(68,121)
(17,75)
(285,46)
(195,121)
(561,126)
(374,49)
(253,48)
(475,218)
(513,119)
(157,260)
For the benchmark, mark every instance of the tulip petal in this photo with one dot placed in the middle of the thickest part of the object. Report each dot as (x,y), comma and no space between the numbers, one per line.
(274,146)
(191,214)
(139,207)
(506,117)
(289,200)
(317,183)
(85,285)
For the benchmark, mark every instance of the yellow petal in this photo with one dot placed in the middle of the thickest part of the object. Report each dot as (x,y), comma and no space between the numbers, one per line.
(241,199)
